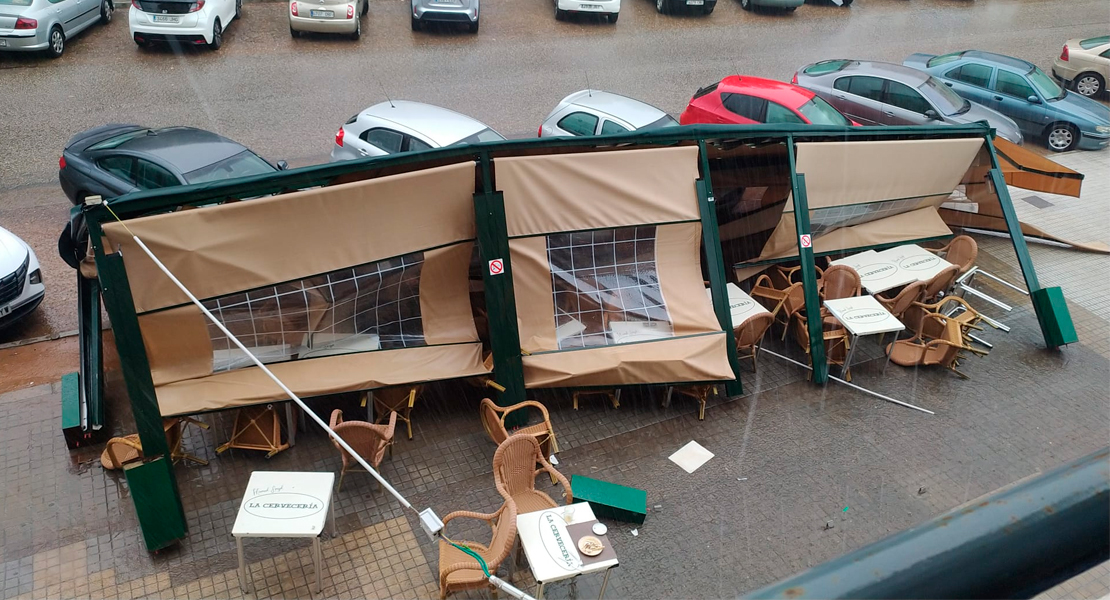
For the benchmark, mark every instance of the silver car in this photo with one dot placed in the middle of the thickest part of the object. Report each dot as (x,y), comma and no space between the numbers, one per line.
(446,11)
(29,25)
(878,93)
(402,126)
(594,112)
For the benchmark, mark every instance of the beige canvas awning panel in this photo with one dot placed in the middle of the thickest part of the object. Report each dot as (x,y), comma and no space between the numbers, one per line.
(1024,169)
(596,190)
(223,249)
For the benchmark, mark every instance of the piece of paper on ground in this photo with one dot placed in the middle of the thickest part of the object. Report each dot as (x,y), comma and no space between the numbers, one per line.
(691,456)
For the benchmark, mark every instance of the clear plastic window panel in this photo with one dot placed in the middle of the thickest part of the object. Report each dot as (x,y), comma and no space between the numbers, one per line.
(824,220)
(606,287)
(375,306)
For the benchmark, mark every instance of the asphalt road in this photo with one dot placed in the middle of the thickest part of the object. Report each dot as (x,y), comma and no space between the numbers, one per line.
(285,97)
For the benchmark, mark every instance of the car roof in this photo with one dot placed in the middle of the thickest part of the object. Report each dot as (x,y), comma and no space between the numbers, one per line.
(441,125)
(768,89)
(999,59)
(186,148)
(635,112)
(904,74)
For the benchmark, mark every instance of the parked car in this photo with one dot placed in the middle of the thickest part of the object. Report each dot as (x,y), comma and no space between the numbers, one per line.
(113,160)
(1018,89)
(610,9)
(446,11)
(31,25)
(787,5)
(743,100)
(1084,65)
(670,6)
(878,93)
(21,287)
(594,112)
(402,126)
(194,22)
(328,16)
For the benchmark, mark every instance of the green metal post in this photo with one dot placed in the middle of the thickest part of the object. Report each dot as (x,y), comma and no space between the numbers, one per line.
(718,282)
(92,351)
(809,274)
(493,245)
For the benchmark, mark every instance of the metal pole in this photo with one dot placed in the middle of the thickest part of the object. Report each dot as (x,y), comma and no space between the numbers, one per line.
(508,588)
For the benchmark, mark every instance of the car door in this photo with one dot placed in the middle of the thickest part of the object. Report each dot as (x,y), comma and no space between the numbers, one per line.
(379,141)
(777,113)
(859,97)
(609,127)
(970,80)
(743,109)
(116,172)
(579,123)
(1011,98)
(903,105)
(68,13)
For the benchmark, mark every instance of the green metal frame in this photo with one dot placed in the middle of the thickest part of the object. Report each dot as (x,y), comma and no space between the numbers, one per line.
(809,273)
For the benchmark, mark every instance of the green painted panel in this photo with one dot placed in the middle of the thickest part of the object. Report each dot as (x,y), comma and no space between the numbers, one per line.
(157,503)
(71,410)
(1056,323)
(609,500)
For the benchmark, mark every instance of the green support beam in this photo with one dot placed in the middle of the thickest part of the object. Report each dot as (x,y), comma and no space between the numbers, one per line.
(493,245)
(809,273)
(718,282)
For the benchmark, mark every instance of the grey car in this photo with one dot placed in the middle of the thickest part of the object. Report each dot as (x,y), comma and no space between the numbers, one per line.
(33,25)
(594,112)
(402,126)
(879,93)
(446,11)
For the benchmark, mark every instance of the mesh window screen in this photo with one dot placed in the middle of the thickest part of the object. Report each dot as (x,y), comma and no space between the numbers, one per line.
(606,287)
(824,220)
(368,307)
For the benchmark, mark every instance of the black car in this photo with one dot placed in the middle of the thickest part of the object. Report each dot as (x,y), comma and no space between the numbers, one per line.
(113,160)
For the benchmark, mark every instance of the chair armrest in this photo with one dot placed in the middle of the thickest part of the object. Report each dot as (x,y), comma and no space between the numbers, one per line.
(467,514)
(524,405)
(459,566)
(547,468)
(336,418)
(387,432)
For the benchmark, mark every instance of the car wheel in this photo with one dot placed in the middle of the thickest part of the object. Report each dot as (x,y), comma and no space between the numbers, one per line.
(708,9)
(106,10)
(662,6)
(473,27)
(1089,85)
(217,36)
(746,4)
(238,9)
(560,14)
(294,32)
(358,30)
(57,42)
(847,3)
(613,17)
(1061,137)
(415,24)
(365,8)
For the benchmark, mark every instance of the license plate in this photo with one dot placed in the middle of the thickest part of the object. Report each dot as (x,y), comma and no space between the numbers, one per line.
(166,19)
(322,13)
(590,6)
(4,310)
(3,43)
(695,2)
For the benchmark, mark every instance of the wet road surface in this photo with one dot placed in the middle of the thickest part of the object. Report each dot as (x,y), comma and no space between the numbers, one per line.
(285,97)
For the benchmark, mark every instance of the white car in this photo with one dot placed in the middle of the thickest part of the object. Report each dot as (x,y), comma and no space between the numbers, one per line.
(189,22)
(608,8)
(594,112)
(21,288)
(403,126)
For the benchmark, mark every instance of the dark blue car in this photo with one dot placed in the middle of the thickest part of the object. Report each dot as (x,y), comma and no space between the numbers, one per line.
(1018,89)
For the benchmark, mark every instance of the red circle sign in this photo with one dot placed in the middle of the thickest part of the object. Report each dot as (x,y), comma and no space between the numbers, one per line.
(496,266)
(806,240)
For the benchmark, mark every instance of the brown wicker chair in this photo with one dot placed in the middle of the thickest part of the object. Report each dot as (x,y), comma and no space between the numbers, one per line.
(457,569)
(784,277)
(398,399)
(493,420)
(369,441)
(122,450)
(961,251)
(946,350)
(837,342)
(840,281)
(514,469)
(750,333)
(968,318)
(700,392)
(941,283)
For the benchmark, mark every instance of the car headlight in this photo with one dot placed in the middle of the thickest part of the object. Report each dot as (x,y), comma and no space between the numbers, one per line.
(1103,129)
(36,277)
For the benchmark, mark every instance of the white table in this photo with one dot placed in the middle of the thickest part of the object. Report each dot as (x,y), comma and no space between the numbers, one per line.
(543,535)
(861,316)
(915,260)
(876,272)
(284,504)
(624,332)
(740,305)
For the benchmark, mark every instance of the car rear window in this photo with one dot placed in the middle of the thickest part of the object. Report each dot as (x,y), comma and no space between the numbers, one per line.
(239,165)
(1086,44)
(943,58)
(705,90)
(820,112)
(664,121)
(485,135)
(825,66)
(117,140)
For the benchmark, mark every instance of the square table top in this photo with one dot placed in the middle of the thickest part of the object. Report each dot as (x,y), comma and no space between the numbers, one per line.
(877,273)
(544,537)
(740,304)
(914,259)
(624,332)
(863,315)
(284,504)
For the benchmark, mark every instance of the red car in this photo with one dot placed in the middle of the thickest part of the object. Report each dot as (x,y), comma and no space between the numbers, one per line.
(737,100)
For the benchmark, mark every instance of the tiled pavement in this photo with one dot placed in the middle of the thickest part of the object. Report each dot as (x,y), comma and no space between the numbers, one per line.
(790,458)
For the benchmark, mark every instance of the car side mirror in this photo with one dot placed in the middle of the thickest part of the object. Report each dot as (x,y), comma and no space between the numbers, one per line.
(1033,100)
(282,165)
(932,115)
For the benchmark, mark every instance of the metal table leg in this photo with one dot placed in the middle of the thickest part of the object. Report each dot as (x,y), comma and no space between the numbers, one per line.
(290,424)
(604,582)
(242,566)
(318,563)
(848,359)
(897,334)
(539,592)
(667,398)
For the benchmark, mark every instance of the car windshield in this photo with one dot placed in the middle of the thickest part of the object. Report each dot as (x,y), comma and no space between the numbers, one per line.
(1086,44)
(819,112)
(942,96)
(240,165)
(1045,84)
(943,58)
(825,66)
(117,140)
(16,2)
(664,121)
(485,135)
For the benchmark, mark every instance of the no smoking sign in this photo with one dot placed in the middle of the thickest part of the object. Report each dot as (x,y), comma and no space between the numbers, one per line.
(806,240)
(496,266)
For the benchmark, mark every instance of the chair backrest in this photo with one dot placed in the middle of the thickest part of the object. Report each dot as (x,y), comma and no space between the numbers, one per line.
(514,463)
(941,282)
(491,421)
(504,535)
(962,252)
(779,277)
(795,299)
(368,440)
(946,354)
(751,331)
(913,292)
(840,281)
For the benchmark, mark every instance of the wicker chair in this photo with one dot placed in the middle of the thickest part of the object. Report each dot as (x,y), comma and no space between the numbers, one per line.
(967,317)
(784,277)
(514,469)
(750,333)
(122,450)
(699,392)
(493,420)
(369,441)
(941,283)
(945,350)
(840,281)
(458,570)
(961,251)
(399,400)
(837,342)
